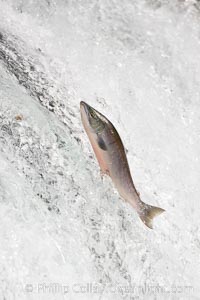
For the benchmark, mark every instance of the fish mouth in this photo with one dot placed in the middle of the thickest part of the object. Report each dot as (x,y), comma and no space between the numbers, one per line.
(92,118)
(84,105)
(86,108)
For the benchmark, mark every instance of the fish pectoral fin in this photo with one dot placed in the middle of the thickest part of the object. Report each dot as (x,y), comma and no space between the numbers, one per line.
(104,172)
(101,143)
(147,214)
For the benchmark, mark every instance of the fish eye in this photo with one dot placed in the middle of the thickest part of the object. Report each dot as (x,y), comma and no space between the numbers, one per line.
(93,115)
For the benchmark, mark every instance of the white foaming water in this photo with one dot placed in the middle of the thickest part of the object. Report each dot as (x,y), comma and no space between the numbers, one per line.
(65,233)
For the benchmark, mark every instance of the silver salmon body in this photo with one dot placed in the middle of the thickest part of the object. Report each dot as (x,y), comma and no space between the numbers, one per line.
(111,155)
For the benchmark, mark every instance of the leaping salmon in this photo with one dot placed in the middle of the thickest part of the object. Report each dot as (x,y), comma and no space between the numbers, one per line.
(112,159)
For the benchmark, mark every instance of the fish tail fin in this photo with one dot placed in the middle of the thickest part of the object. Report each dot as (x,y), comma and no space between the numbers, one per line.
(148,212)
